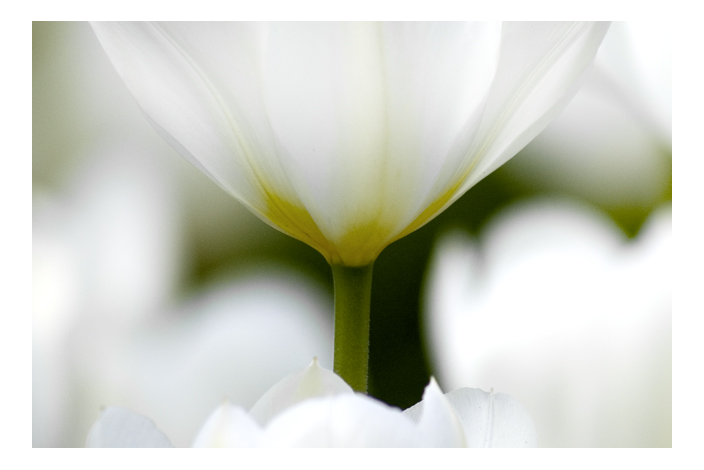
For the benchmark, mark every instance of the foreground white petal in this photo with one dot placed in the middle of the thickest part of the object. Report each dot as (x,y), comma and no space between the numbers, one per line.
(229,426)
(312,409)
(484,419)
(492,419)
(348,420)
(349,136)
(313,381)
(437,419)
(120,427)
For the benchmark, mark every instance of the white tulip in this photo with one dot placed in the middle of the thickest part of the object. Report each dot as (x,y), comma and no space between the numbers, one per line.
(315,408)
(558,309)
(349,136)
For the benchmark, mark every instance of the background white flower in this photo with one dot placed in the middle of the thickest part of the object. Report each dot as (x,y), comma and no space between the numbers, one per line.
(558,309)
(105,253)
(108,328)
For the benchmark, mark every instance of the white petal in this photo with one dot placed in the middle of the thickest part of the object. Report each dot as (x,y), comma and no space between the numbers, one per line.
(120,427)
(229,426)
(367,113)
(348,136)
(348,420)
(204,100)
(313,381)
(492,419)
(437,420)
(539,72)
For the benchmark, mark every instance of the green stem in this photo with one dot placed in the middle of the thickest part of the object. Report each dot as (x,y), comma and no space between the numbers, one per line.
(353,291)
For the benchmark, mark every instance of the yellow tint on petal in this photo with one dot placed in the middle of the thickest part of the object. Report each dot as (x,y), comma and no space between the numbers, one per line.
(437,206)
(294,220)
(359,246)
(362,242)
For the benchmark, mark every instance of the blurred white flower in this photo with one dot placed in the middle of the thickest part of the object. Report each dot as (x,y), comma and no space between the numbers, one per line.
(316,408)
(349,136)
(107,329)
(235,340)
(106,250)
(558,309)
(613,142)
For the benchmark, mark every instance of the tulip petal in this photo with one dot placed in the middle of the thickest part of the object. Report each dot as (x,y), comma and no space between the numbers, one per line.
(535,80)
(538,73)
(206,102)
(313,381)
(120,427)
(485,419)
(349,136)
(492,419)
(229,426)
(438,421)
(347,420)
(366,114)
(157,64)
